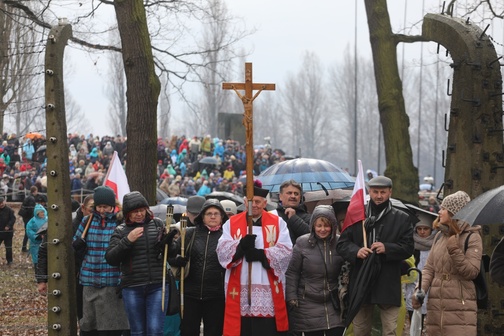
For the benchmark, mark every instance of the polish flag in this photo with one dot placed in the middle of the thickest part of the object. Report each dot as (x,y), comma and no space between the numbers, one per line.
(116,178)
(356,211)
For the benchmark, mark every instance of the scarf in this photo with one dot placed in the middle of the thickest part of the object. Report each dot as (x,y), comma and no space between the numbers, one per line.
(213,228)
(423,244)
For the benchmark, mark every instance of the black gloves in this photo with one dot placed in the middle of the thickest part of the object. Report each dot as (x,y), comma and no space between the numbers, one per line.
(166,239)
(246,243)
(79,244)
(179,261)
(257,255)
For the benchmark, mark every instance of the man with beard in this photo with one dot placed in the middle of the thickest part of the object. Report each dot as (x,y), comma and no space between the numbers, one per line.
(389,234)
(292,211)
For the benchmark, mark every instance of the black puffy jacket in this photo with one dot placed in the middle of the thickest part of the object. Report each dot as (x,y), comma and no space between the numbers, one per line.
(142,261)
(206,275)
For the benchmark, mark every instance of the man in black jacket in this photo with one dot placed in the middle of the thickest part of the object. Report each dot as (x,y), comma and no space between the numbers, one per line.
(26,212)
(7,220)
(292,211)
(389,234)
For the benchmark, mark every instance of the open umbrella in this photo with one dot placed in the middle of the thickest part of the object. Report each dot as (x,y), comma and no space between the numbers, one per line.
(41,148)
(160,195)
(312,174)
(485,209)
(33,135)
(224,195)
(209,160)
(318,197)
(174,200)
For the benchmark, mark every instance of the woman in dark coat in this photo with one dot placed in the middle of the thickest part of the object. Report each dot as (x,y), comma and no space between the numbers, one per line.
(134,247)
(308,285)
(204,286)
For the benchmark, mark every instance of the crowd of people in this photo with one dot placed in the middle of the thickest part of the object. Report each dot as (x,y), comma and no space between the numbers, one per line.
(179,170)
(279,273)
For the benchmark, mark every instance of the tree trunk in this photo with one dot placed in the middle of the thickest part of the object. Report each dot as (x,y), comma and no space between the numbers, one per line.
(393,117)
(143,88)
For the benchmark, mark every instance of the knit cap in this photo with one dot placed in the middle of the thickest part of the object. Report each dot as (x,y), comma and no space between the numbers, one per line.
(104,196)
(454,202)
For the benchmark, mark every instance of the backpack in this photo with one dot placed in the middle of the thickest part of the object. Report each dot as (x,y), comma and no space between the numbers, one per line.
(480,281)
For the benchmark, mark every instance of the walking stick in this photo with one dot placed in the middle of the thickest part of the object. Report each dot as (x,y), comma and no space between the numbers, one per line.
(169,218)
(183,228)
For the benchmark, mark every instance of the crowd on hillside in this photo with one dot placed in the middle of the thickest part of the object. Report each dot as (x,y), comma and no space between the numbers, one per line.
(179,170)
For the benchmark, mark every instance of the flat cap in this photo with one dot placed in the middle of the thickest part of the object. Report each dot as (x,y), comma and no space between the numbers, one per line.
(380,182)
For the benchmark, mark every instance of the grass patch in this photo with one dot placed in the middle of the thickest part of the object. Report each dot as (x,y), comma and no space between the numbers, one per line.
(23,311)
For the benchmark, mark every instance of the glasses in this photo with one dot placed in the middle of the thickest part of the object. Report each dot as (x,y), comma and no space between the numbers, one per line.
(213,214)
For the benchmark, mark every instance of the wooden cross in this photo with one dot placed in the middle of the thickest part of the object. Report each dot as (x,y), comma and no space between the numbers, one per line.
(249,86)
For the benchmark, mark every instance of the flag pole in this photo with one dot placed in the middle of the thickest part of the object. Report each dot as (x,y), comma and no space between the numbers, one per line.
(364,238)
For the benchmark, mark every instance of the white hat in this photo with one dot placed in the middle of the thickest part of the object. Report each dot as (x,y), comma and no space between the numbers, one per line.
(229,206)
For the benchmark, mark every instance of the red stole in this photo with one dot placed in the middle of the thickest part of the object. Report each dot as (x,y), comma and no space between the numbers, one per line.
(232,315)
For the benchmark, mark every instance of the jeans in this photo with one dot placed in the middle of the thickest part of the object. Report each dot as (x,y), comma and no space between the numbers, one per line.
(143,306)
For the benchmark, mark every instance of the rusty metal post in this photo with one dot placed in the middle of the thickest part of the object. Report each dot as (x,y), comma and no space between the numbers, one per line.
(62,316)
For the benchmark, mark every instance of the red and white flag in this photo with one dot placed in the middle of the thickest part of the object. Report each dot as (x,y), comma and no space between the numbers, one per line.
(116,178)
(356,211)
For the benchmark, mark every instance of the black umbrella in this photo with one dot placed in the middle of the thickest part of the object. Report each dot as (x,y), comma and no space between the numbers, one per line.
(487,208)
(360,287)
(41,148)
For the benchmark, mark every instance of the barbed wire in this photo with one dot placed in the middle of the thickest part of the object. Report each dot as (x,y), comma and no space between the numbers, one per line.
(25,75)
(25,111)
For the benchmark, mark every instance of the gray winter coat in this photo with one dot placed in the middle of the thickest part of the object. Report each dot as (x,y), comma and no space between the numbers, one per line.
(306,278)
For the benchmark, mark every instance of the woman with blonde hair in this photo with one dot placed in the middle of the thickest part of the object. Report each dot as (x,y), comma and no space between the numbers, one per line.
(449,271)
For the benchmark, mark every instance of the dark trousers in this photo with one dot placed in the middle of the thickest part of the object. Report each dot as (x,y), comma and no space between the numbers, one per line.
(338,331)
(212,313)
(6,238)
(262,326)
(25,238)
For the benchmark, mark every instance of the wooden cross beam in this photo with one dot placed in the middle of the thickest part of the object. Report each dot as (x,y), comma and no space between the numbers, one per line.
(247,99)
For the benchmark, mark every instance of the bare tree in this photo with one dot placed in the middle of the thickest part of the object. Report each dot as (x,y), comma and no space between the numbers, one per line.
(342,84)
(116,89)
(306,107)
(217,31)
(75,118)
(393,117)
(164,110)
(142,93)
(21,74)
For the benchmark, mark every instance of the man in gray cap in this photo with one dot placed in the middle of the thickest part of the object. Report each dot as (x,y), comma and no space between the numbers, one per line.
(389,235)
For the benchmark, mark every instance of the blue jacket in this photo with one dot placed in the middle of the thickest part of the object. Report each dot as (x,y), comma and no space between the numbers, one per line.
(32,228)
(95,271)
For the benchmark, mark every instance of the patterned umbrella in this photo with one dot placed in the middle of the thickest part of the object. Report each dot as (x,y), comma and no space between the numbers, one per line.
(312,174)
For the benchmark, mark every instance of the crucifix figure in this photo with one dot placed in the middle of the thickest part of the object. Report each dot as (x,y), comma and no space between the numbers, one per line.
(248,99)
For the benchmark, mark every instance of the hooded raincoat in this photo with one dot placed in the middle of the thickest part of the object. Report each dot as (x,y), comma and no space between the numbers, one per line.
(307,281)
